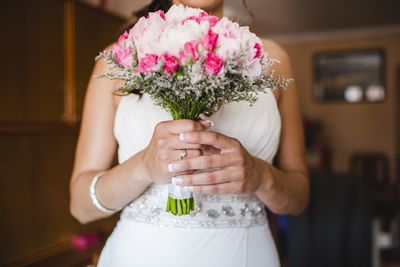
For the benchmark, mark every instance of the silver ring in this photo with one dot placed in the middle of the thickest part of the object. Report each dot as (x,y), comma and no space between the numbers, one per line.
(183,154)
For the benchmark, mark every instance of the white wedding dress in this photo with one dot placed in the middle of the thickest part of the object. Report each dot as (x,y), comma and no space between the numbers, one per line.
(228,230)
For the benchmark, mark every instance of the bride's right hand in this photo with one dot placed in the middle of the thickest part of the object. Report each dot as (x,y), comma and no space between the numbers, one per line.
(165,146)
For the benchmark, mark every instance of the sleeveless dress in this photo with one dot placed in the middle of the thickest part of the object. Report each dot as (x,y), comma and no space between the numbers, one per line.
(227,230)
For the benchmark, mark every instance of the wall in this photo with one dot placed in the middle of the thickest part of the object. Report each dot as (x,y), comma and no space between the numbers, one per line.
(350,127)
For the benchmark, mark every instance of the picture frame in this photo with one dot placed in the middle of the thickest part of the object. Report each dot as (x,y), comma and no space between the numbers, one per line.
(350,76)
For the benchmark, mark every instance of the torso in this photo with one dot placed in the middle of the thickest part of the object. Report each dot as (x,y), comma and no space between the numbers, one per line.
(235,225)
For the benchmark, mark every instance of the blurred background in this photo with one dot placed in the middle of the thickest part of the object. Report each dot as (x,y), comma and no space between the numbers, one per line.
(346,62)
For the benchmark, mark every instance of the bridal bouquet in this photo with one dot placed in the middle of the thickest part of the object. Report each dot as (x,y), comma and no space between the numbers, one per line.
(190,63)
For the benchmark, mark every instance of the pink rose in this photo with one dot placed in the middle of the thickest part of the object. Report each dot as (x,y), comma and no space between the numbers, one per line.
(123,37)
(213,64)
(161,14)
(209,41)
(148,63)
(170,63)
(123,55)
(158,12)
(189,18)
(258,48)
(190,49)
(203,16)
(146,33)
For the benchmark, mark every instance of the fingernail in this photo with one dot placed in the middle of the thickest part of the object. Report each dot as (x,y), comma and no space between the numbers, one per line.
(206,123)
(173,167)
(178,180)
(182,136)
(210,122)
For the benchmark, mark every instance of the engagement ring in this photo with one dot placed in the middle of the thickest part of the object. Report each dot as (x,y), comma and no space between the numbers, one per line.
(183,154)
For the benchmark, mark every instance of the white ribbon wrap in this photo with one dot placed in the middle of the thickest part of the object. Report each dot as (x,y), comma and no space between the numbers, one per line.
(176,191)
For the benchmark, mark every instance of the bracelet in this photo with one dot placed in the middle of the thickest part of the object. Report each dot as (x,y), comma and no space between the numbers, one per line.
(93,195)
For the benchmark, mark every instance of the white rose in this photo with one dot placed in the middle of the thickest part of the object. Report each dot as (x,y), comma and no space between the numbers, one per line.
(152,25)
(227,28)
(227,48)
(177,13)
(174,37)
(197,73)
(147,45)
(253,71)
(229,42)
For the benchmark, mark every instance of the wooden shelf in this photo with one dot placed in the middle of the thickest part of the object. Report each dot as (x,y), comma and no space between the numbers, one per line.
(38,127)
(61,255)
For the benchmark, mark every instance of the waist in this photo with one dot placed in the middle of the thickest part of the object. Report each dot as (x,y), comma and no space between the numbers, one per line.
(211,211)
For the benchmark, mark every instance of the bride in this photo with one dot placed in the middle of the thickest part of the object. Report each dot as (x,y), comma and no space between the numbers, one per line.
(233,150)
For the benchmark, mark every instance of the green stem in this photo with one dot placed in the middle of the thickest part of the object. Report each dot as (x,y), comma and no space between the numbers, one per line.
(184,207)
(188,108)
(167,208)
(179,207)
(188,205)
(173,206)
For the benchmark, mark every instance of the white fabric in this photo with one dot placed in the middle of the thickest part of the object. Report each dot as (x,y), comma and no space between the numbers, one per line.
(139,244)
(134,243)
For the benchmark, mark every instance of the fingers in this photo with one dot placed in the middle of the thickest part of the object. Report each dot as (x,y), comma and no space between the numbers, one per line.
(217,140)
(169,131)
(165,146)
(206,123)
(181,126)
(206,162)
(210,150)
(212,177)
(173,142)
(235,187)
(190,153)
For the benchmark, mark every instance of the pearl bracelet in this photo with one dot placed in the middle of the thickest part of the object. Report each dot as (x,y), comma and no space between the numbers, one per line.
(93,195)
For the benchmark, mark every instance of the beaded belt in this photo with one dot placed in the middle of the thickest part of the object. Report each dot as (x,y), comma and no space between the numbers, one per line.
(211,211)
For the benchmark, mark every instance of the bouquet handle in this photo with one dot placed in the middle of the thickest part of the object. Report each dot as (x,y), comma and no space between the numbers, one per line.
(180,199)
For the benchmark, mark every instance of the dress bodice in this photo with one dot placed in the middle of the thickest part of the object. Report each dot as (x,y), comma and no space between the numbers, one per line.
(258,129)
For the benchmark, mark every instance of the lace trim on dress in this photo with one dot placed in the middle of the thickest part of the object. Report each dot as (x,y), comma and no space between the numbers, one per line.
(214,211)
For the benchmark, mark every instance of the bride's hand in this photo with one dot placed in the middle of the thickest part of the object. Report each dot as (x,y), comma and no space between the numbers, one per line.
(165,147)
(236,171)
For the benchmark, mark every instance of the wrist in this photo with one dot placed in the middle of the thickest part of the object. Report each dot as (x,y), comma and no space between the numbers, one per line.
(94,197)
(141,170)
(264,173)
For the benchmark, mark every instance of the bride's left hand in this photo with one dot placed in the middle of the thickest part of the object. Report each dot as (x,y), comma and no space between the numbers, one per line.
(235,170)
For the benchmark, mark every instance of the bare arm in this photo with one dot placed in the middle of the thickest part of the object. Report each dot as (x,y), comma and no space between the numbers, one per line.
(95,151)
(283,189)
(96,148)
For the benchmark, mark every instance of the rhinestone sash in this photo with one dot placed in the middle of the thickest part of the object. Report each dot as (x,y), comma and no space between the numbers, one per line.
(211,211)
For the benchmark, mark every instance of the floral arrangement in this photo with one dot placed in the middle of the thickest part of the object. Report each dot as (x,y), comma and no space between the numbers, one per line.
(190,63)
